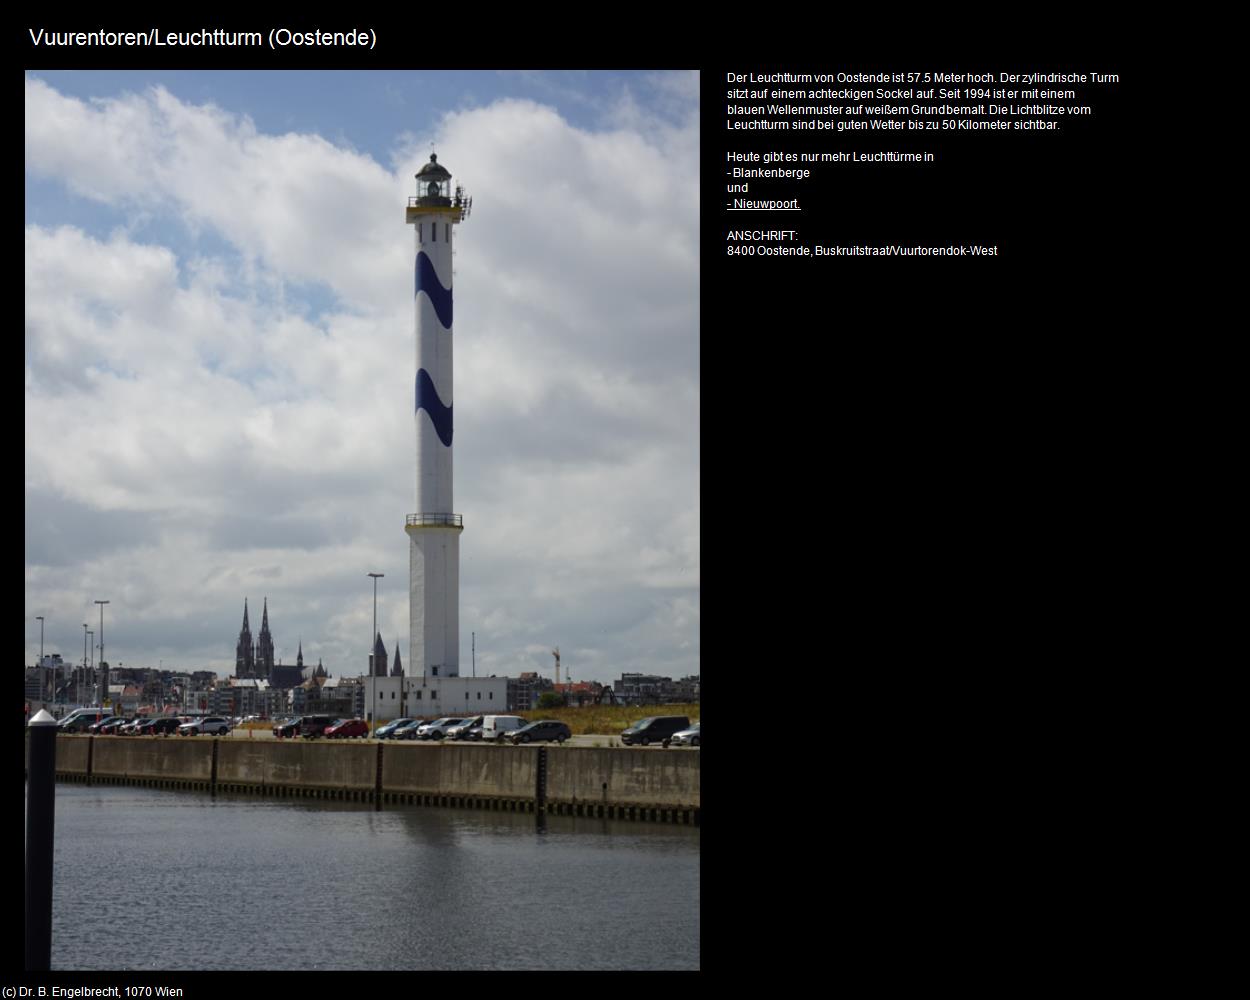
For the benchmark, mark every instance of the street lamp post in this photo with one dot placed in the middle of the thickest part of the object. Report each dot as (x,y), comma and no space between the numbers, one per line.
(374,633)
(43,687)
(83,684)
(95,690)
(104,680)
(372,640)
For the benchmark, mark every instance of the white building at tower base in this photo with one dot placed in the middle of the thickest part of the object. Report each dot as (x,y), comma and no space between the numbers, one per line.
(389,698)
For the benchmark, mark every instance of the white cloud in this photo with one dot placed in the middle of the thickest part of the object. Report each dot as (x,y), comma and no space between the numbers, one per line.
(190,390)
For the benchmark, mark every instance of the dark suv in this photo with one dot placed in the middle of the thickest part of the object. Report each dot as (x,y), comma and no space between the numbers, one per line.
(654,729)
(315,725)
(547,729)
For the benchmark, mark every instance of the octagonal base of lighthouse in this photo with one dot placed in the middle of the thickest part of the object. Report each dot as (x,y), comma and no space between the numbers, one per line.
(434,594)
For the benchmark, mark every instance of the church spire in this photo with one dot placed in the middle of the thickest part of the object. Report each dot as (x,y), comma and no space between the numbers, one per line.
(397,668)
(264,646)
(244,650)
(379,656)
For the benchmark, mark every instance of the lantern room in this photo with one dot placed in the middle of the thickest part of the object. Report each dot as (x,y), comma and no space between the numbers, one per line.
(434,184)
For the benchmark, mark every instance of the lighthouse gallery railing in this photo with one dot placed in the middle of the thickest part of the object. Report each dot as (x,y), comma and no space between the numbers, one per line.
(455,520)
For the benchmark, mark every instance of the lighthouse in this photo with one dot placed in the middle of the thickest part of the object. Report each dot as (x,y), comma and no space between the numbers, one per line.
(432,685)
(434,530)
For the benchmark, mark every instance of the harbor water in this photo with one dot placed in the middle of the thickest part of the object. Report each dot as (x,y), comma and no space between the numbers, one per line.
(150,879)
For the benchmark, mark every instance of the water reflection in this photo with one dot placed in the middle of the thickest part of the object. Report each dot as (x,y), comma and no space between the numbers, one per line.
(239,882)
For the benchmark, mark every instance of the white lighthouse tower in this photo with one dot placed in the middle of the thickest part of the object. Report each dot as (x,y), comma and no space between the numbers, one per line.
(434,530)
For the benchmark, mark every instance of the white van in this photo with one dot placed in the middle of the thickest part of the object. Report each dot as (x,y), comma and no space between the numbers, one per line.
(80,718)
(494,726)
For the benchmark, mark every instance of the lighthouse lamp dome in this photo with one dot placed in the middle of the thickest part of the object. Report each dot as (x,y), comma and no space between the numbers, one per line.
(433,183)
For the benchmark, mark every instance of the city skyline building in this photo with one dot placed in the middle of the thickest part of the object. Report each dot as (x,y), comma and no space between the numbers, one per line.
(254,659)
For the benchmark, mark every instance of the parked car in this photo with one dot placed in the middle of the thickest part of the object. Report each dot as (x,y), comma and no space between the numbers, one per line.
(422,726)
(80,718)
(286,727)
(546,729)
(213,725)
(132,727)
(408,731)
(312,726)
(346,728)
(496,727)
(98,727)
(654,729)
(473,733)
(387,730)
(437,729)
(160,727)
(684,737)
(461,730)
(112,727)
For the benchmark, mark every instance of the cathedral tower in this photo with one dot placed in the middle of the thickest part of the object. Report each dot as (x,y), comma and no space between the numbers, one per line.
(244,652)
(264,647)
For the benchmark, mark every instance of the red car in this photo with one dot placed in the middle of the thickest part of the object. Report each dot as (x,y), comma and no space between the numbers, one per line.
(346,728)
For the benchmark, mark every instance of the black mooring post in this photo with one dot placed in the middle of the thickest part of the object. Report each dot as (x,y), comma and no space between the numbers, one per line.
(40,810)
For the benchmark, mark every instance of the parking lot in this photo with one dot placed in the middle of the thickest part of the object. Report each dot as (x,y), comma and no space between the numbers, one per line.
(586,740)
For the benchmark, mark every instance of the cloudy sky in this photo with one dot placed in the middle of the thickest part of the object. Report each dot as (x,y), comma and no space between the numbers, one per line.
(219,363)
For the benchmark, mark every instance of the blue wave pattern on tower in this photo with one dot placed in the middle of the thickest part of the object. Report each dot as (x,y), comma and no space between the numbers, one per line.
(427,397)
(427,281)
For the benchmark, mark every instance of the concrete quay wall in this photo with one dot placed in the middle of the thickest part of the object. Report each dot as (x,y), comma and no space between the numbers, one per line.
(635,783)
(623,776)
(422,771)
(342,766)
(152,757)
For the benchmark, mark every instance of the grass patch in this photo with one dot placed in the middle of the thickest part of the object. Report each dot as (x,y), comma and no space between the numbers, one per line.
(602,719)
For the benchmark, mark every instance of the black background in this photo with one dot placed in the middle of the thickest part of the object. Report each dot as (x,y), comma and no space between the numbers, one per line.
(919,480)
